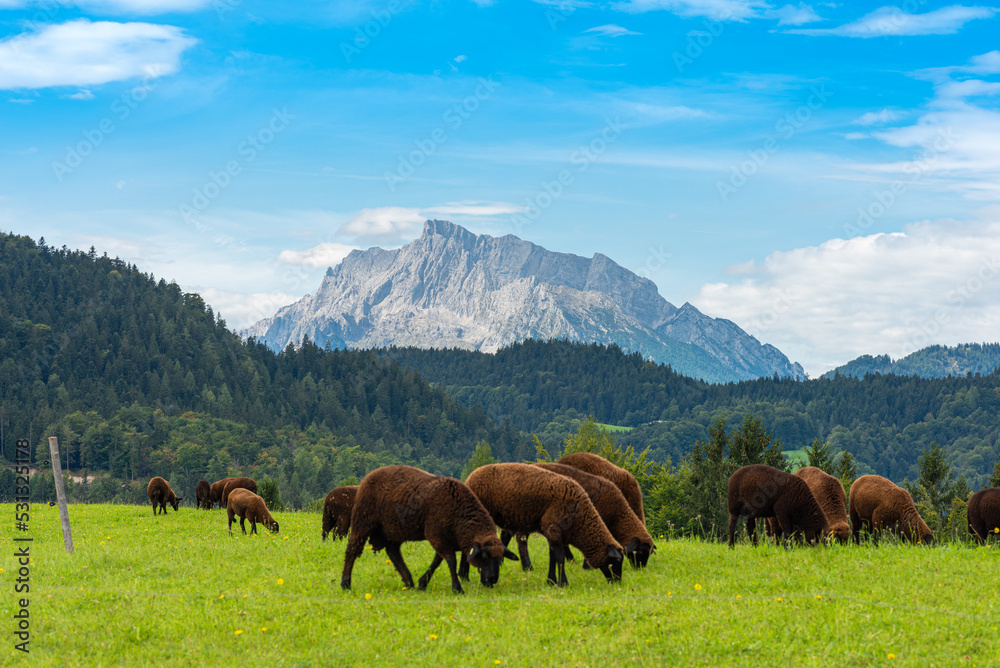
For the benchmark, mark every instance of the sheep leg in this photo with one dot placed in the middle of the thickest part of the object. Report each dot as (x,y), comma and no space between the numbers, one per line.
(733,519)
(355,546)
(752,529)
(855,526)
(426,577)
(253,525)
(243,525)
(392,549)
(522,552)
(463,567)
(562,567)
(456,586)
(557,561)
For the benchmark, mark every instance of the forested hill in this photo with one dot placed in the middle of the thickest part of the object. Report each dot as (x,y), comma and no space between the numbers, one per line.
(84,337)
(930,362)
(885,421)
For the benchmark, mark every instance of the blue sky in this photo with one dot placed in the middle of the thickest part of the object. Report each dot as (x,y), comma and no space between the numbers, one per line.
(826,175)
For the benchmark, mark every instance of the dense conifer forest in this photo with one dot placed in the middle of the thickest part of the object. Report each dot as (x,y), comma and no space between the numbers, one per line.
(137,378)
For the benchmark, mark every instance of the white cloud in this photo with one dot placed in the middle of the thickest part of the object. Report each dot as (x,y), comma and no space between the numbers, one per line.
(387,224)
(611,30)
(323,255)
(240,310)
(472,209)
(117,7)
(936,283)
(717,10)
(893,21)
(395,224)
(954,140)
(877,117)
(791,15)
(81,53)
(80,95)
(967,88)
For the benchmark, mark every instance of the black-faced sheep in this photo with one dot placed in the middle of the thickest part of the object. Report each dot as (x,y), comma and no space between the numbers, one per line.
(246,505)
(159,493)
(758,490)
(624,480)
(829,494)
(237,483)
(614,509)
(203,495)
(215,491)
(337,509)
(879,504)
(984,513)
(524,499)
(399,504)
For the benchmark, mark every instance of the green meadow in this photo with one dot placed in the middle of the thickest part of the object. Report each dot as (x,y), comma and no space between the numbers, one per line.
(178,590)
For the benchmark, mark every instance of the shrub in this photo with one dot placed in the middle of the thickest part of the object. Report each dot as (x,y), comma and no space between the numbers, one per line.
(268,490)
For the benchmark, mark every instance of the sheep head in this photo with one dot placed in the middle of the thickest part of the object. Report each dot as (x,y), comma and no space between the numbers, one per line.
(487,555)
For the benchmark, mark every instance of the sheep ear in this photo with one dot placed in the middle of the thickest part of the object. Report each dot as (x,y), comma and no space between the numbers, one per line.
(613,553)
(510,555)
(476,549)
(633,546)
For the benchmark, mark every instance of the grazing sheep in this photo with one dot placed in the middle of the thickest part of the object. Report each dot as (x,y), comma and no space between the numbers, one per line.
(624,480)
(246,505)
(611,505)
(159,493)
(880,504)
(523,499)
(216,490)
(984,513)
(237,483)
(399,504)
(203,495)
(829,493)
(337,509)
(758,490)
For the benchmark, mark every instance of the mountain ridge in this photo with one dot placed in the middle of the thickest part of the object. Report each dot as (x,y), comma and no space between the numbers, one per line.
(453,288)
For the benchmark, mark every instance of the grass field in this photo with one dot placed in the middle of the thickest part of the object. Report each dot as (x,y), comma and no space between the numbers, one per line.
(178,590)
(614,428)
(798,457)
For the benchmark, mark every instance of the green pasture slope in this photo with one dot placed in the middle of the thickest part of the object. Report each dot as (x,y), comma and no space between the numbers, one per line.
(177,590)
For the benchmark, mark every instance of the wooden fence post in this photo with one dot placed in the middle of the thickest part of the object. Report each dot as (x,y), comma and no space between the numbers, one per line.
(60,493)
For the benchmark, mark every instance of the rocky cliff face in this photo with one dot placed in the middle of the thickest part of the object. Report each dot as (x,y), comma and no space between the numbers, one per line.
(453,288)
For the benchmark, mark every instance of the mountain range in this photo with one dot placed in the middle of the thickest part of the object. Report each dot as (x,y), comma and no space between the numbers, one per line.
(930,362)
(451,288)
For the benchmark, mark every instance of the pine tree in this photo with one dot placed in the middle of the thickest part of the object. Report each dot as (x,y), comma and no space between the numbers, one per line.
(936,485)
(820,457)
(481,456)
(994,480)
(846,470)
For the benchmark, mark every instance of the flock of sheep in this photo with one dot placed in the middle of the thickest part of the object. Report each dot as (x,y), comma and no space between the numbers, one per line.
(583,500)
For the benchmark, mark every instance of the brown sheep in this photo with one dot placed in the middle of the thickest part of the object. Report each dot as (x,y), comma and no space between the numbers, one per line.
(880,504)
(624,480)
(237,483)
(758,490)
(829,493)
(337,509)
(215,491)
(523,499)
(984,513)
(203,495)
(246,505)
(399,504)
(159,493)
(611,505)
